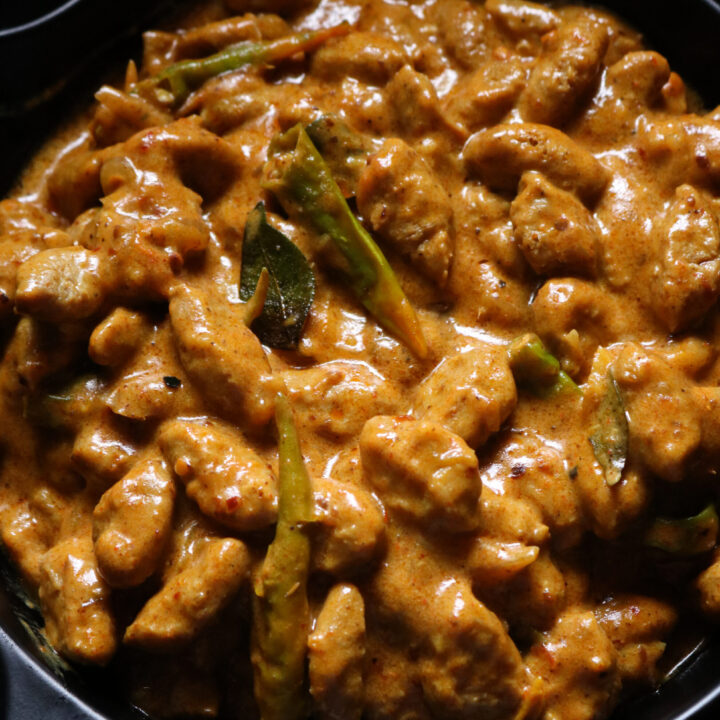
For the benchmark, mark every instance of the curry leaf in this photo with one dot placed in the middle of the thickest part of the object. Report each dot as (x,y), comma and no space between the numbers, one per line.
(609,437)
(291,286)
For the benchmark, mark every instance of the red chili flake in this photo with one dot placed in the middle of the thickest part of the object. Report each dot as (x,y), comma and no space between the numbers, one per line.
(232,503)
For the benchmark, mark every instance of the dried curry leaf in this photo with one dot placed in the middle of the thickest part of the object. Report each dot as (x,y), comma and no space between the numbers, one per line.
(684,536)
(609,436)
(291,282)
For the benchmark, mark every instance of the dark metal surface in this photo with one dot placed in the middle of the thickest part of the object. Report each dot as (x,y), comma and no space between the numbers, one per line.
(48,67)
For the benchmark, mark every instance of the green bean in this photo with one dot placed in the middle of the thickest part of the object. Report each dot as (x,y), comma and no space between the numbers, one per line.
(537,369)
(684,536)
(183,77)
(297,174)
(281,617)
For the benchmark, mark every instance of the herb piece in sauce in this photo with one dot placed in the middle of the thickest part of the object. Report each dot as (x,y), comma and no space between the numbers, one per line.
(183,77)
(609,436)
(281,617)
(290,284)
(537,369)
(684,536)
(345,151)
(297,174)
(172,382)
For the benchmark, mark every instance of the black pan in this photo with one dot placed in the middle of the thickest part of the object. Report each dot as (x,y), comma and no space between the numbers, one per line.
(48,63)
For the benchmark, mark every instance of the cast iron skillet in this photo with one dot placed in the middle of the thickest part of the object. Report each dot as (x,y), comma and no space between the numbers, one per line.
(48,64)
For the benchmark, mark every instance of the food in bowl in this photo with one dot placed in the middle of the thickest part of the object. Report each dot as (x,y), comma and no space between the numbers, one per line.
(360,361)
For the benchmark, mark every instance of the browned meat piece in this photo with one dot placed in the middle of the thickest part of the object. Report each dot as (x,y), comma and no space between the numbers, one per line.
(488,94)
(119,115)
(609,510)
(471,393)
(691,355)
(151,384)
(25,230)
(336,649)
(18,216)
(335,399)
(462,31)
(62,284)
(405,204)
(14,252)
(350,527)
(392,687)
(368,56)
(221,473)
(466,663)
(423,471)
(233,374)
(579,666)
(684,149)
(511,519)
(687,274)
(565,73)
(555,231)
(414,102)
(132,524)
(663,418)
(39,351)
(499,156)
(145,230)
(575,316)
(632,85)
(118,336)
(708,588)
(530,599)
(523,18)
(74,184)
(494,562)
(481,208)
(230,102)
(637,626)
(76,602)
(193,597)
(104,450)
(540,475)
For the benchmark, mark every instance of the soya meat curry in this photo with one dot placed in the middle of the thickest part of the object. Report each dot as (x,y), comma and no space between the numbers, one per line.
(360,361)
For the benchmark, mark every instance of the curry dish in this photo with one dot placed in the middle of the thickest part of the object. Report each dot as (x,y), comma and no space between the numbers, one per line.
(360,361)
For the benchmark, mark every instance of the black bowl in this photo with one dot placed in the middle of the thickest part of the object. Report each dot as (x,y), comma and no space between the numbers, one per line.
(48,65)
